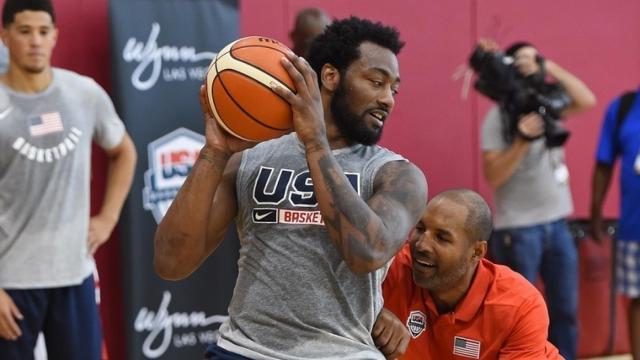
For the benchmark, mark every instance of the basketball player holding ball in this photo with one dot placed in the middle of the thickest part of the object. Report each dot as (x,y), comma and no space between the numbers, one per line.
(319,211)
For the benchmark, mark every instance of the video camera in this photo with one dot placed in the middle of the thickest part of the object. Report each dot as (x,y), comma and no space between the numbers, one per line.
(499,80)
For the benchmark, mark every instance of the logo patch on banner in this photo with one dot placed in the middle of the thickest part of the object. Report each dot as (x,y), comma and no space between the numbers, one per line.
(151,57)
(466,347)
(46,123)
(166,328)
(416,323)
(171,158)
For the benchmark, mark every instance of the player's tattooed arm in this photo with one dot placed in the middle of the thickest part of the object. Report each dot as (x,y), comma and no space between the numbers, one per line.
(196,221)
(368,234)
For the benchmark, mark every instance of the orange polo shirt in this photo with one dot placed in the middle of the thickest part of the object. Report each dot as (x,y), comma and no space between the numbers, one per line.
(502,316)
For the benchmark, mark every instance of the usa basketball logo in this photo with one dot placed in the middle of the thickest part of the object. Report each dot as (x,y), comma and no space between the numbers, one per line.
(171,158)
(275,191)
(416,323)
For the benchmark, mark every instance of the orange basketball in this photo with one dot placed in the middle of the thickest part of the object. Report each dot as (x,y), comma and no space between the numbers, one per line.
(239,93)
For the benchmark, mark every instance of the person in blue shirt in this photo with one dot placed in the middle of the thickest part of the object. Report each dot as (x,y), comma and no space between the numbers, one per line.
(622,140)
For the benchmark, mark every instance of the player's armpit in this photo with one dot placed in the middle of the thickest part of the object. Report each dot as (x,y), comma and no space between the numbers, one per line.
(224,206)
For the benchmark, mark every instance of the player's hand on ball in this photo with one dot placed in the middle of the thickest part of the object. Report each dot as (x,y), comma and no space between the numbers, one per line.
(216,138)
(390,335)
(306,103)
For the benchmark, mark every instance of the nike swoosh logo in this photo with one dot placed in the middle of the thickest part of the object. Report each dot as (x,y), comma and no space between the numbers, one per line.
(264,215)
(5,112)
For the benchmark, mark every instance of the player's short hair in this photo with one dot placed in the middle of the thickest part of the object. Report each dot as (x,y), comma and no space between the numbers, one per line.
(12,7)
(478,224)
(340,42)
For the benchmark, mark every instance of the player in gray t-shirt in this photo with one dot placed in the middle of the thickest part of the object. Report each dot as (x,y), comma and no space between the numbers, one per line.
(532,196)
(48,120)
(320,212)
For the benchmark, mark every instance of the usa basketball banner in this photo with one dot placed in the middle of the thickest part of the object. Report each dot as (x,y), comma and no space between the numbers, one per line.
(160,54)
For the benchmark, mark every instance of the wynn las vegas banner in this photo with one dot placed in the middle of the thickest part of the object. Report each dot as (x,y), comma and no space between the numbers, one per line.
(160,53)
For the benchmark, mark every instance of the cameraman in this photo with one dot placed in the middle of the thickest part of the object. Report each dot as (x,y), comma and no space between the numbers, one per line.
(531,192)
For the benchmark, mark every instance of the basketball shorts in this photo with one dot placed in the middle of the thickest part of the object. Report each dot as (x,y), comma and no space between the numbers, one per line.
(68,317)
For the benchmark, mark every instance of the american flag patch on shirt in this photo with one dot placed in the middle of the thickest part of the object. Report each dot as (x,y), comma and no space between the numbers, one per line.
(466,347)
(46,124)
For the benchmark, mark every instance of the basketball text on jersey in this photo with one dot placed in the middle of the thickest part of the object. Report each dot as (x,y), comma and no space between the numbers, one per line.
(50,154)
(275,194)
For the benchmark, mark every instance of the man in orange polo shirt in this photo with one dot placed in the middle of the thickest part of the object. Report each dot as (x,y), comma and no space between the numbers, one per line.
(455,304)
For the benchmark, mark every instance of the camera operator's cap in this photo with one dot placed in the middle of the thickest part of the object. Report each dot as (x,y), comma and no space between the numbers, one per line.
(513,48)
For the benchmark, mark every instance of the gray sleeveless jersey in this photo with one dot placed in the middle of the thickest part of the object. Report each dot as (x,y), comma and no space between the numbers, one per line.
(295,298)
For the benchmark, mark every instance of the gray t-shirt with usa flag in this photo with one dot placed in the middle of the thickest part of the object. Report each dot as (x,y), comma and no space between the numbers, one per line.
(45,158)
(295,298)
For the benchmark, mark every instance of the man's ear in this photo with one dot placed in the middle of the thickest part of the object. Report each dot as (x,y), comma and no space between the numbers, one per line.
(329,77)
(55,36)
(479,250)
(4,34)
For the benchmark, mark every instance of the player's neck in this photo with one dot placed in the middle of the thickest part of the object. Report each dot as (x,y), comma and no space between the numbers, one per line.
(446,301)
(26,82)
(336,139)
(334,136)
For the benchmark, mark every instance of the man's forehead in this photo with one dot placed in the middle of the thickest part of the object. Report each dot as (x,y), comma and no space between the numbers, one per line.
(449,209)
(377,58)
(33,17)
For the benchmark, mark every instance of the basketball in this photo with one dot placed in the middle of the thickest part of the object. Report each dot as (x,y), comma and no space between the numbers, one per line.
(238,87)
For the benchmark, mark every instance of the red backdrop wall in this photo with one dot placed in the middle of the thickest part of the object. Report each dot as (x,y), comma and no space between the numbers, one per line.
(437,127)
(433,125)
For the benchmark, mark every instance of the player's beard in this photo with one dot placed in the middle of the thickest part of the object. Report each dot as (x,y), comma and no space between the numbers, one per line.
(351,126)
